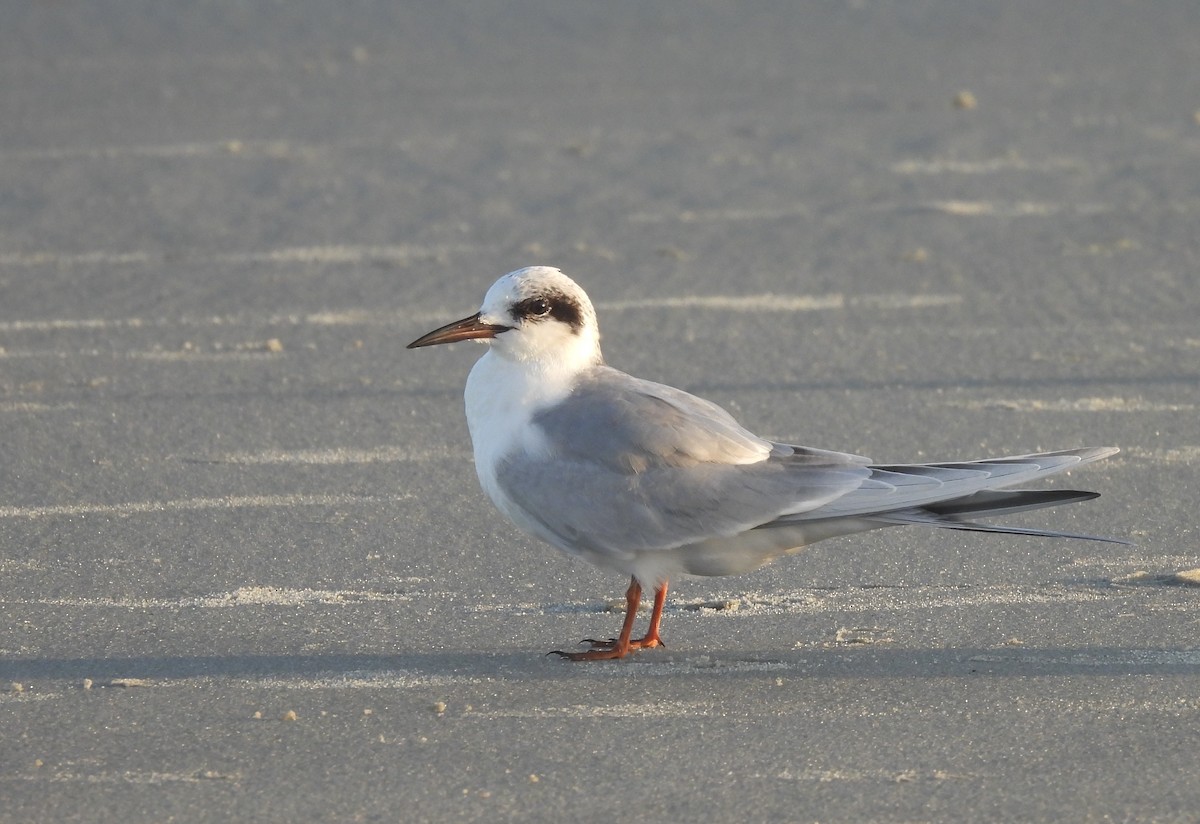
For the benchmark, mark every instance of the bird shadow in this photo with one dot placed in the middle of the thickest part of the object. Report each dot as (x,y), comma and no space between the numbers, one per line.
(523,665)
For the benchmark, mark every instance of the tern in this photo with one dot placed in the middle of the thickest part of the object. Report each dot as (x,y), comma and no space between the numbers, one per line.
(652,482)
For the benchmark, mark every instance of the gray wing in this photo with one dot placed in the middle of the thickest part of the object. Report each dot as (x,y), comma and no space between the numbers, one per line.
(633,465)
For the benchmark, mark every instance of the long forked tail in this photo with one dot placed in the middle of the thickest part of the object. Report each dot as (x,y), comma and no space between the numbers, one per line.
(958,513)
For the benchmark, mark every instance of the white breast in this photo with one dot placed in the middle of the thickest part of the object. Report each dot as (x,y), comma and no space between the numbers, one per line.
(501,398)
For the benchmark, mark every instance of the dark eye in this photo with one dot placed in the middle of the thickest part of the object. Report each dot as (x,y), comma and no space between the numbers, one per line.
(538,308)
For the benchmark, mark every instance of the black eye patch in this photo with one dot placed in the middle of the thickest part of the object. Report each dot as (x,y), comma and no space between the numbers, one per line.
(554,305)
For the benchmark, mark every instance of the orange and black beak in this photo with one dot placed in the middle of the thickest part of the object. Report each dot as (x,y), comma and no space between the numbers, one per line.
(466,329)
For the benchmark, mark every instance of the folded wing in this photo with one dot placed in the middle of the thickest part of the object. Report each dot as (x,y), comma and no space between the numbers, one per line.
(633,466)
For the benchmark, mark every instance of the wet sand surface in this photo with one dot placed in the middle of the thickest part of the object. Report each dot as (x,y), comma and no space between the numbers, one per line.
(246,572)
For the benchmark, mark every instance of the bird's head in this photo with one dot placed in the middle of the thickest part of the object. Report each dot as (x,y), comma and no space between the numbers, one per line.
(536,314)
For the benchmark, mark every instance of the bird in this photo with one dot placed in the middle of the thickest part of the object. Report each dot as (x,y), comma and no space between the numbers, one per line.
(652,482)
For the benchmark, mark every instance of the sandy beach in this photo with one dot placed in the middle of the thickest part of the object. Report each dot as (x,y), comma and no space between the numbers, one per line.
(246,570)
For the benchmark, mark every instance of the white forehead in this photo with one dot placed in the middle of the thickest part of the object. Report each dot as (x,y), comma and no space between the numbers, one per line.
(527,283)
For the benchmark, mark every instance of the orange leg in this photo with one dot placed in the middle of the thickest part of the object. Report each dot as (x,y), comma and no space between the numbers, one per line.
(623,644)
(651,639)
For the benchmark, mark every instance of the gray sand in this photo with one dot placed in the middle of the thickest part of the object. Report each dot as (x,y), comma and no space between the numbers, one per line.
(245,569)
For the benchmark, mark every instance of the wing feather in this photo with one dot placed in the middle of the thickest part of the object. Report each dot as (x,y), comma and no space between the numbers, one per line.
(632,465)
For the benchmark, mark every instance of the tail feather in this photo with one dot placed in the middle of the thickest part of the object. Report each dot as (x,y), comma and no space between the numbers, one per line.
(992,502)
(955,514)
(904,487)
